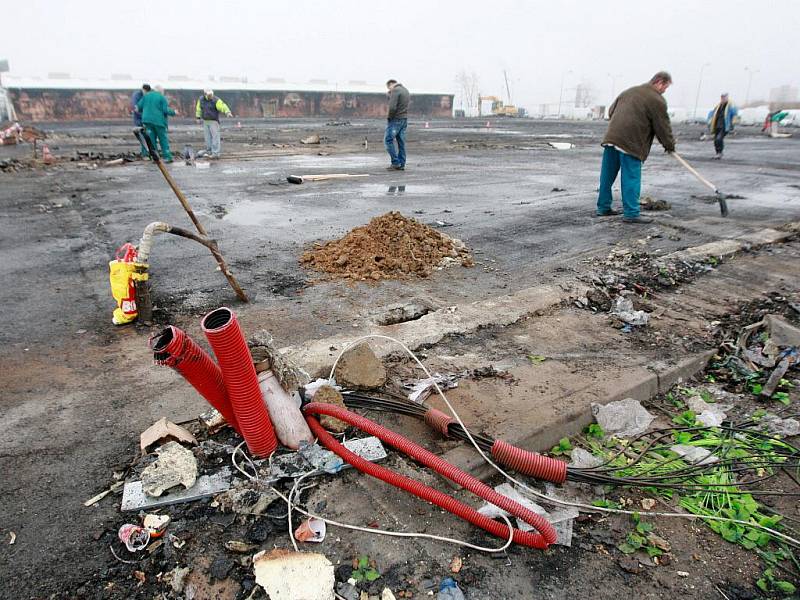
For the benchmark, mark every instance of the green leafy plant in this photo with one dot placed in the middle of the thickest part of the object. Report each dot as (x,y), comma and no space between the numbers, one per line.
(755,388)
(707,396)
(768,583)
(782,397)
(563,447)
(365,571)
(641,538)
(595,431)
(536,359)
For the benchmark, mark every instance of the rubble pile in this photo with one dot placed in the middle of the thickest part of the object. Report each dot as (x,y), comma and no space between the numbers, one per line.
(390,246)
(90,155)
(11,165)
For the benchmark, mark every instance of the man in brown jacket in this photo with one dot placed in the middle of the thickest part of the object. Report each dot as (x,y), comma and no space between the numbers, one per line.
(637,116)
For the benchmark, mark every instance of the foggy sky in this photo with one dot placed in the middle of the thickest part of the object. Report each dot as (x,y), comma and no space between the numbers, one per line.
(424,44)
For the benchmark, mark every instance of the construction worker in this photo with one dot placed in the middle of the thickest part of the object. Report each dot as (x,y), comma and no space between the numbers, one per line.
(155,110)
(720,122)
(397,122)
(208,109)
(137,116)
(638,115)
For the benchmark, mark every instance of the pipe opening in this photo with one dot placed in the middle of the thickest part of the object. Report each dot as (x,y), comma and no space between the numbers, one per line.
(162,339)
(217,319)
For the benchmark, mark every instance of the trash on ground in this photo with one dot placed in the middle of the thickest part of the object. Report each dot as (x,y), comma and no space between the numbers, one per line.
(781,332)
(95,499)
(562,145)
(583,459)
(134,497)
(784,427)
(560,518)
(311,139)
(390,246)
(174,466)
(347,590)
(248,498)
(422,388)
(695,455)
(287,575)
(623,418)
(213,420)
(156,524)
(313,457)
(709,415)
(650,203)
(775,377)
(12,538)
(387,594)
(359,368)
(449,590)
(164,430)
(284,411)
(623,308)
(456,564)
(135,537)
(311,530)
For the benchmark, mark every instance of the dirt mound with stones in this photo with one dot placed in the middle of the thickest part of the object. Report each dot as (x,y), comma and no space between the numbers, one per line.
(390,246)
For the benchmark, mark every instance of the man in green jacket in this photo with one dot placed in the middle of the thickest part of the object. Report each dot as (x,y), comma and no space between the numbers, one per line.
(208,109)
(155,109)
(638,115)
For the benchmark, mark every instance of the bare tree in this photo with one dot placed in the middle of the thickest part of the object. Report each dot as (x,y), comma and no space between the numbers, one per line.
(468,88)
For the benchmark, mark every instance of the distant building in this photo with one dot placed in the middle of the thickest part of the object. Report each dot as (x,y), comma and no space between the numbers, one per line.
(62,98)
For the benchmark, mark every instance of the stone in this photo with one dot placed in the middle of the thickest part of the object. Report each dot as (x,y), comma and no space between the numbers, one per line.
(781,332)
(359,368)
(287,575)
(175,465)
(330,395)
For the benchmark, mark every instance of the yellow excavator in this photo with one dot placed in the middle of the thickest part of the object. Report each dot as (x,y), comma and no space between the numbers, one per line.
(498,108)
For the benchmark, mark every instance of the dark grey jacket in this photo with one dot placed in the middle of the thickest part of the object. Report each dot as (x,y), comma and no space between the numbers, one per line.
(398,102)
(638,115)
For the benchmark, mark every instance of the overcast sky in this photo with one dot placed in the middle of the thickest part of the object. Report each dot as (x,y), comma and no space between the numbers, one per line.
(422,43)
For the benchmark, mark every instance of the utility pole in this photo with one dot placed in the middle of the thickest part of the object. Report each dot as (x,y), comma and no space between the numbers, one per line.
(751,72)
(508,89)
(699,83)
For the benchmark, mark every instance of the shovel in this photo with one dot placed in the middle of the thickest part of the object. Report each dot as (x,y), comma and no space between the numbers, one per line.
(723,205)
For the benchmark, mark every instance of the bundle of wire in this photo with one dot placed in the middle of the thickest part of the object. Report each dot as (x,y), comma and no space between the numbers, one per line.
(647,460)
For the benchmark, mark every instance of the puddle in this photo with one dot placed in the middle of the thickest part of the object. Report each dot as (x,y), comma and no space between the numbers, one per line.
(338,164)
(376,190)
(252,212)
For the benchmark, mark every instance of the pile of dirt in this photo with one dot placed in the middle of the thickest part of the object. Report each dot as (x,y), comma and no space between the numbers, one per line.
(650,203)
(390,246)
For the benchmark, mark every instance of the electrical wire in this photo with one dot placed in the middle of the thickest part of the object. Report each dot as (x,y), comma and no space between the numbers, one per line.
(548,499)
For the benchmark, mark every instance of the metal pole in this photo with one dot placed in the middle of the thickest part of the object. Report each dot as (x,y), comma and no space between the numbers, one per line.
(561,92)
(699,83)
(751,72)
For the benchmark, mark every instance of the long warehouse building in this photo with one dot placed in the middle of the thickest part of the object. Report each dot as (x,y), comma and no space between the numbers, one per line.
(62,98)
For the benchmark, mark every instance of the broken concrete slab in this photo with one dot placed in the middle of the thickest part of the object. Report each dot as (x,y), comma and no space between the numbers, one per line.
(164,430)
(287,575)
(174,466)
(781,332)
(134,498)
(359,368)
(624,418)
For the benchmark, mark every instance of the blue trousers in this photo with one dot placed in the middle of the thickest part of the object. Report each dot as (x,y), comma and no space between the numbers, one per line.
(396,130)
(613,161)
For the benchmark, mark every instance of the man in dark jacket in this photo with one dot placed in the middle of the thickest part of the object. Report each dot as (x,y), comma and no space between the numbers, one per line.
(137,116)
(638,115)
(208,108)
(397,122)
(720,122)
(155,112)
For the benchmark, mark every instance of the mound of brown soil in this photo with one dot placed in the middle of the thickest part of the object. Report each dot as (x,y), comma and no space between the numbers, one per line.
(388,247)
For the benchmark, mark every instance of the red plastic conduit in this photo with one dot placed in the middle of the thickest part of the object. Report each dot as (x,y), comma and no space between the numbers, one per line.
(541,540)
(530,463)
(173,348)
(438,421)
(226,339)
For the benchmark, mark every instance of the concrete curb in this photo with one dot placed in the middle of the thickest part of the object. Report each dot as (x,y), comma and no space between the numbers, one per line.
(762,237)
(643,384)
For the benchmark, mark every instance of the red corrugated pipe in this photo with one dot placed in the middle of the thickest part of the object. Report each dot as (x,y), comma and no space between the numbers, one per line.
(522,461)
(542,540)
(530,463)
(226,339)
(173,348)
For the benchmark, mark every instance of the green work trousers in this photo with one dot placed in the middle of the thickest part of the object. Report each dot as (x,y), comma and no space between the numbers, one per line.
(158,136)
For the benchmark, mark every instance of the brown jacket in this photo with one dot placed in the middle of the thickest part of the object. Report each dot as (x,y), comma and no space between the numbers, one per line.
(637,116)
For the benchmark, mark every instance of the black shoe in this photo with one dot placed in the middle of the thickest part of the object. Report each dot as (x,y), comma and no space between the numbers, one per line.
(609,213)
(638,219)
(395,168)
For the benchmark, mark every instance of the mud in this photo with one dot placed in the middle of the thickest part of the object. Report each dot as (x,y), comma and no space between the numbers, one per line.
(388,247)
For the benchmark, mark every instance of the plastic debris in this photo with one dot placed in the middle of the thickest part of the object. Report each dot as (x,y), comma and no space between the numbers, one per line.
(387,594)
(710,415)
(562,145)
(134,498)
(583,459)
(623,418)
(95,499)
(311,530)
(213,420)
(421,389)
(286,575)
(156,524)
(175,465)
(695,454)
(783,427)
(162,430)
(134,537)
(12,538)
(561,518)
(313,457)
(623,308)
(240,547)
(449,590)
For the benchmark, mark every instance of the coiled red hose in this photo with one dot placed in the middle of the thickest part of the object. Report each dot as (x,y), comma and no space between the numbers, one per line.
(541,540)
(438,421)
(530,463)
(239,375)
(174,348)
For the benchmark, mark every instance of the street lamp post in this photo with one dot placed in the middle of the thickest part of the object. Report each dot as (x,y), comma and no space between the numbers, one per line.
(561,92)
(699,83)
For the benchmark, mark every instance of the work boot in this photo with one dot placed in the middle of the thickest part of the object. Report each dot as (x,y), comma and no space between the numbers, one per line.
(639,219)
(718,156)
(609,213)
(394,168)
